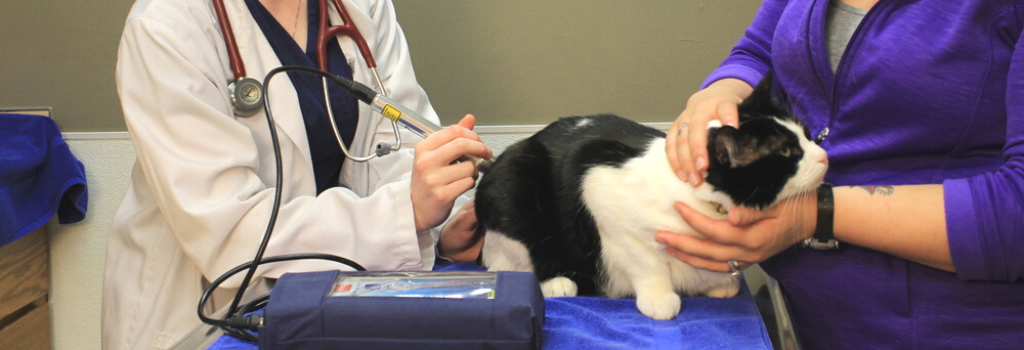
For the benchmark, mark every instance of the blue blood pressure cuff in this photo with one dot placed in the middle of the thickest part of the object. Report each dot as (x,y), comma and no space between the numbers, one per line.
(404,310)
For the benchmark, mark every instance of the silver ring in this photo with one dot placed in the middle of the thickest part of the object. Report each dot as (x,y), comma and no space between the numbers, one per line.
(734,268)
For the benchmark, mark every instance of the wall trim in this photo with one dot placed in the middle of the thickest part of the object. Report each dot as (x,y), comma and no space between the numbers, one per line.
(483,130)
(507,129)
(105,135)
(519,129)
(663,126)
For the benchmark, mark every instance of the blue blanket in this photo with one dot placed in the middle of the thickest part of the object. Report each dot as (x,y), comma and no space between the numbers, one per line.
(39,177)
(601,323)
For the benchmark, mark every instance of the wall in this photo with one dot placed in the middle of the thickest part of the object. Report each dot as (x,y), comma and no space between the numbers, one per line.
(531,61)
(61,54)
(509,62)
(78,251)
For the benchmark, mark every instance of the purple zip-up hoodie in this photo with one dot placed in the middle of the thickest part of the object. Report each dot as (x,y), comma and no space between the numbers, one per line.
(927,92)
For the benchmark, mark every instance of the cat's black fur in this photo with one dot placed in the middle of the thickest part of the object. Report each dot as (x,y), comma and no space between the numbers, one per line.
(533,190)
(533,193)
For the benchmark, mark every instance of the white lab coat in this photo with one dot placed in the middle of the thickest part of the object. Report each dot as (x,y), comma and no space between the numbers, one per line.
(202,188)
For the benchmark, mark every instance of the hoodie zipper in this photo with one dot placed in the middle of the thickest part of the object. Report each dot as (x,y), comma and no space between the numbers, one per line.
(843,63)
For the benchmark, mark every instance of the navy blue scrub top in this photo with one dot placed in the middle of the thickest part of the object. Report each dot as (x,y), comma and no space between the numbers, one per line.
(323,146)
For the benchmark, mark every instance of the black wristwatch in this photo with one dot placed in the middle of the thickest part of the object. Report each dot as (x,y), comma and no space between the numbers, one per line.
(823,237)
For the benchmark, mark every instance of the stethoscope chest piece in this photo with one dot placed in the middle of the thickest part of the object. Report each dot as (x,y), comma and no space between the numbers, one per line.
(246,96)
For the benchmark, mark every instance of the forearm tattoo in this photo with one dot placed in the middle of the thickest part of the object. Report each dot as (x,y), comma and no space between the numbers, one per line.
(879,190)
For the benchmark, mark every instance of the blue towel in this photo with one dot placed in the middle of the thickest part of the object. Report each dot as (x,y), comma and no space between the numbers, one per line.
(602,323)
(39,177)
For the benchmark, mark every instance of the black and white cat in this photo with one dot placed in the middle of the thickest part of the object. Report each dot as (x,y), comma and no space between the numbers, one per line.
(579,202)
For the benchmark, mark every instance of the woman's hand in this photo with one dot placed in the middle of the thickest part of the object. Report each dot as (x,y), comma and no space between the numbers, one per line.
(686,143)
(459,240)
(437,179)
(749,236)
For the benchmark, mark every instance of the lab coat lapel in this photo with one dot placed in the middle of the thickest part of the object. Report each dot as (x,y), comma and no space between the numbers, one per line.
(260,58)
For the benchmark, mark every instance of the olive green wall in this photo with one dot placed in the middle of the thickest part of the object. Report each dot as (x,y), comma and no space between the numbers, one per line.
(530,62)
(508,62)
(61,54)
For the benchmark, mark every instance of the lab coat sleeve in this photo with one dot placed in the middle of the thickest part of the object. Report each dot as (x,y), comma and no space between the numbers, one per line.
(202,166)
(751,58)
(985,213)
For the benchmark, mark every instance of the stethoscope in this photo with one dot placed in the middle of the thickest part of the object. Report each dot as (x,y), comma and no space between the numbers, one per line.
(247,93)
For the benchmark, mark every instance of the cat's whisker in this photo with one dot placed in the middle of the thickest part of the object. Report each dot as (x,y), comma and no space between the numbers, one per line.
(798,214)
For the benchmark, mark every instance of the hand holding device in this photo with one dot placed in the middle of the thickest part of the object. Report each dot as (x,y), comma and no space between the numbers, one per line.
(437,177)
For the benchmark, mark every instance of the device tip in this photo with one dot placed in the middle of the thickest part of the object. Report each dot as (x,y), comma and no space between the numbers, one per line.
(485,166)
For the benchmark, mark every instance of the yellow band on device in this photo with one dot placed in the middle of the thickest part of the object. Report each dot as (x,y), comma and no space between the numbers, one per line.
(391,112)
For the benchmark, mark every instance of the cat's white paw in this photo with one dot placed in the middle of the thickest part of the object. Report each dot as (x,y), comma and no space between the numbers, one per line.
(725,291)
(661,307)
(558,287)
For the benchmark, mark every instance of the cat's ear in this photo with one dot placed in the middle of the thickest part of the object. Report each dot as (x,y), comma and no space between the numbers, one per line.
(733,148)
(765,99)
(723,145)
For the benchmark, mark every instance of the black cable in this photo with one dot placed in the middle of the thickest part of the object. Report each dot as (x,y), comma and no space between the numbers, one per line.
(359,91)
(237,326)
(243,329)
(232,325)
(254,305)
(277,192)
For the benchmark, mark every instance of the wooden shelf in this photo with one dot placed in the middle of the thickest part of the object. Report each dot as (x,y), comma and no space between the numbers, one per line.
(24,288)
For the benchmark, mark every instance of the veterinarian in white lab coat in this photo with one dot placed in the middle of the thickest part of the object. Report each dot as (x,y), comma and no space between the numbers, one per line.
(202,186)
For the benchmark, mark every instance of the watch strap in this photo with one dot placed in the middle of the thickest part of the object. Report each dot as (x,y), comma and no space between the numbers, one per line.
(824,238)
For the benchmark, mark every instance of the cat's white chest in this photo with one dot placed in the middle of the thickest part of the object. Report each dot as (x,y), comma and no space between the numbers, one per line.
(638,198)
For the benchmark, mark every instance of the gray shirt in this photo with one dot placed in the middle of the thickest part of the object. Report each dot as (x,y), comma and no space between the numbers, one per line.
(840,23)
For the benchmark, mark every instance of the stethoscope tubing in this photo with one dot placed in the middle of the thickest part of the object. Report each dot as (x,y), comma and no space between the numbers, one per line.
(237,66)
(324,34)
(348,28)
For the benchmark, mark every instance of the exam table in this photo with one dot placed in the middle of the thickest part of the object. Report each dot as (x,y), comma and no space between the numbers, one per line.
(747,321)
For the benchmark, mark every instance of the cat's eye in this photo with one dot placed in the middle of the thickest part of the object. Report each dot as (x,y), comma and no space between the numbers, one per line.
(786,152)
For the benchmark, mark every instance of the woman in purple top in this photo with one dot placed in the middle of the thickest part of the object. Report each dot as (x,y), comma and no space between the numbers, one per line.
(922,113)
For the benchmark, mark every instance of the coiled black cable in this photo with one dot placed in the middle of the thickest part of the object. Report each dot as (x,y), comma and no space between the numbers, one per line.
(235,323)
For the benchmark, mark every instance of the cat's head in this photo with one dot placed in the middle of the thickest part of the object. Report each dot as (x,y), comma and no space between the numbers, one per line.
(770,157)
